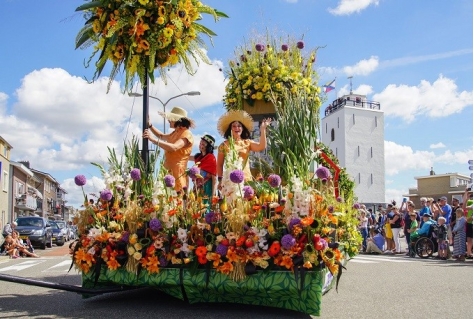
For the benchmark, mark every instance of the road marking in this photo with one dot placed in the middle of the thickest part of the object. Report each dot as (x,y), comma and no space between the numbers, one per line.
(65,264)
(23,265)
(364,259)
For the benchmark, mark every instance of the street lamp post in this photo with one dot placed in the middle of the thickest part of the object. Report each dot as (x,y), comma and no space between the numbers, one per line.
(191,93)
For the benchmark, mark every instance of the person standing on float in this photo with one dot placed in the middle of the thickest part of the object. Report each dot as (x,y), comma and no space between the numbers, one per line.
(177,144)
(237,125)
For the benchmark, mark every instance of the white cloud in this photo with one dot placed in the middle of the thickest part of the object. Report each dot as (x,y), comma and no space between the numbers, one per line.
(439,99)
(363,67)
(347,7)
(61,122)
(437,145)
(400,158)
(362,89)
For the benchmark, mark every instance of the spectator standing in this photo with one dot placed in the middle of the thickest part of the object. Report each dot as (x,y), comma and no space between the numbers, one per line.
(412,229)
(459,249)
(390,244)
(408,221)
(396,226)
(455,205)
(363,220)
(467,207)
(446,212)
(442,237)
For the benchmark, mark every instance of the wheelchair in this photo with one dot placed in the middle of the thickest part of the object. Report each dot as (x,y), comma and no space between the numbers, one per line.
(426,245)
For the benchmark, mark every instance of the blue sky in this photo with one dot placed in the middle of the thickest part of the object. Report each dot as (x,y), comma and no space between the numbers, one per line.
(414,57)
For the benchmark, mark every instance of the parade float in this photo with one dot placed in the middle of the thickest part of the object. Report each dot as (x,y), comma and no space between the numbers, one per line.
(280,240)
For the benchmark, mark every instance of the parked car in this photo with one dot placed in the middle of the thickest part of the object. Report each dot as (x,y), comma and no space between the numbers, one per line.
(37,229)
(58,234)
(64,229)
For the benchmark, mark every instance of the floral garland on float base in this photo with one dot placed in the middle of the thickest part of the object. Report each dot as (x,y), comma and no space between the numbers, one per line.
(140,36)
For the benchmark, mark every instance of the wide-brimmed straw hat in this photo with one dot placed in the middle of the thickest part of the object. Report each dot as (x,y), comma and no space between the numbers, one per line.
(232,116)
(176,114)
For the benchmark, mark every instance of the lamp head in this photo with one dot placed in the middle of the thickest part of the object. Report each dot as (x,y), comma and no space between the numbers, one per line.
(193,93)
(135,94)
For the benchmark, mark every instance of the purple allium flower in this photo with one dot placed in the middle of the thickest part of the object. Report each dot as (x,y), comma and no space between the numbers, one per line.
(356,206)
(209,217)
(324,242)
(288,241)
(274,180)
(237,176)
(141,196)
(169,181)
(300,44)
(284,47)
(293,222)
(221,250)
(80,180)
(155,224)
(323,172)
(163,261)
(106,194)
(248,192)
(125,236)
(340,199)
(135,174)
(259,47)
(331,209)
(193,171)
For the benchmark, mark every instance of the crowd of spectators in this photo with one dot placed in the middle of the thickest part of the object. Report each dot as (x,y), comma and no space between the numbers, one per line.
(450,225)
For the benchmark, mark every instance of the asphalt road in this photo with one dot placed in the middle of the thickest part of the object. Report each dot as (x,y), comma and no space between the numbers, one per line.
(372,286)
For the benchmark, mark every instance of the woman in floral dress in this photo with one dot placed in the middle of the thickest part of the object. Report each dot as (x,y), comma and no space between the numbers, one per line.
(237,125)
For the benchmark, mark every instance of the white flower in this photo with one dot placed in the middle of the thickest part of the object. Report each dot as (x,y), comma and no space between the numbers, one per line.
(182,234)
(185,249)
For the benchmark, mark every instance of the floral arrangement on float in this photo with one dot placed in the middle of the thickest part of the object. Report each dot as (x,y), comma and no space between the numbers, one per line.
(140,36)
(263,69)
(142,225)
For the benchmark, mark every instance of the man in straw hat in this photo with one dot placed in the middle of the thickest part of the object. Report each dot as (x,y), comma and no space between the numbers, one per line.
(237,124)
(177,144)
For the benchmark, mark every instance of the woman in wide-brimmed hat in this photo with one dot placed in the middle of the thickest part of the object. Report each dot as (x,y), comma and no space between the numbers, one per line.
(177,144)
(237,125)
(206,161)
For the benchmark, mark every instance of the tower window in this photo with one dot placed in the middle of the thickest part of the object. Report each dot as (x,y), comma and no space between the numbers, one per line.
(371,152)
(326,128)
(333,135)
(353,119)
(337,122)
(371,178)
(359,178)
(376,121)
(358,150)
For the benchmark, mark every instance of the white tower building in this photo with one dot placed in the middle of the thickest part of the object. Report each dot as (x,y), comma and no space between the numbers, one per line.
(353,128)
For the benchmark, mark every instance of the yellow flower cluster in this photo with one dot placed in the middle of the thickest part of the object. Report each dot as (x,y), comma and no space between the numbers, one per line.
(264,71)
(144,35)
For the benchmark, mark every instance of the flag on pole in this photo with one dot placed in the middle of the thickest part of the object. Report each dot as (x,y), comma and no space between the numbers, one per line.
(328,87)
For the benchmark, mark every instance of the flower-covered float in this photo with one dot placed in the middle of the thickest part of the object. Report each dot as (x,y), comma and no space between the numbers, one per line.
(276,241)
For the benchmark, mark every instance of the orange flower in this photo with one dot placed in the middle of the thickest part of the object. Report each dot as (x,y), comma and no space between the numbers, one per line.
(143,262)
(113,264)
(232,256)
(202,260)
(201,251)
(279,209)
(226,268)
(274,249)
(172,212)
(152,265)
(196,215)
(215,200)
(287,262)
(256,207)
(307,221)
(215,258)
(140,28)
